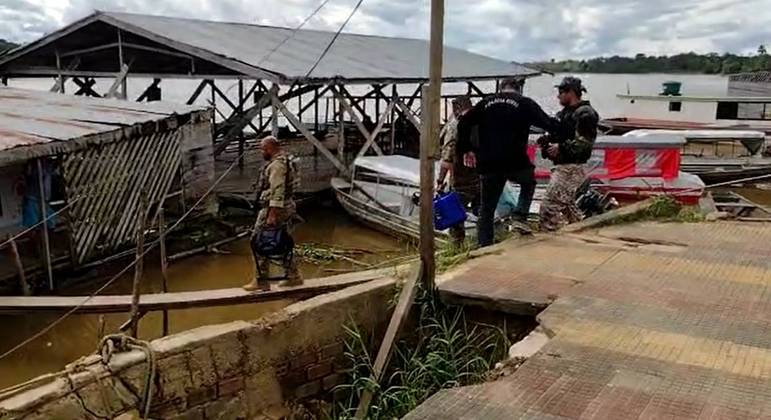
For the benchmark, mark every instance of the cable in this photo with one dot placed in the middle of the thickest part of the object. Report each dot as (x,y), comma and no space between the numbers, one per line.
(293,33)
(123,271)
(334,38)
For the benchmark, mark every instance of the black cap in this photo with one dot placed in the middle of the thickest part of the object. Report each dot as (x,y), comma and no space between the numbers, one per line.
(571,83)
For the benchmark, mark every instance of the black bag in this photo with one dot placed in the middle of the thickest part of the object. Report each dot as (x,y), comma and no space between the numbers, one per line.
(272,242)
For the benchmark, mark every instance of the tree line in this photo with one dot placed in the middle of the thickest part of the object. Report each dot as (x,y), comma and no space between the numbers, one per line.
(6,45)
(712,63)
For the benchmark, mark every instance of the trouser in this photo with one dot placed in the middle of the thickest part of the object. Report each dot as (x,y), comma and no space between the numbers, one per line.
(262,264)
(492,187)
(559,203)
(465,182)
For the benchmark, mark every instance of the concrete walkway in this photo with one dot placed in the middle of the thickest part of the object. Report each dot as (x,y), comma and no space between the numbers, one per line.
(647,321)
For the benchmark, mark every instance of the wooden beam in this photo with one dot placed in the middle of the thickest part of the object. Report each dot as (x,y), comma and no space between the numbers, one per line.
(474,87)
(164,265)
(296,123)
(414,95)
(117,83)
(89,50)
(395,326)
(371,140)
(144,94)
(198,91)
(356,119)
(407,112)
(355,104)
(85,87)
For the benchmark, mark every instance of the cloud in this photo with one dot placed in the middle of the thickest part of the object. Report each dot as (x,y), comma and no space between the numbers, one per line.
(509,29)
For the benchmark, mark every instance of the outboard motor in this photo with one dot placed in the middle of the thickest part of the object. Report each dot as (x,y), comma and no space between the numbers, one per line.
(592,202)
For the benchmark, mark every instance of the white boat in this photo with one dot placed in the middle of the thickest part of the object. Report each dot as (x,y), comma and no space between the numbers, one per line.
(383,194)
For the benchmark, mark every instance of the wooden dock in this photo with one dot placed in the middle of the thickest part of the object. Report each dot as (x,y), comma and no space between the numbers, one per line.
(180,300)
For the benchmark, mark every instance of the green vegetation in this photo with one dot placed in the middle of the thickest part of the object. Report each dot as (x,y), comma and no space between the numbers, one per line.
(712,63)
(665,209)
(446,350)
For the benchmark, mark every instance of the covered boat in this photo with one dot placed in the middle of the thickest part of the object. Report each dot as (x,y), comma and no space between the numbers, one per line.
(635,167)
(383,193)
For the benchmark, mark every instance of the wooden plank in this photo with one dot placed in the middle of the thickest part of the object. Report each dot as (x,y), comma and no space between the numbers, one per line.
(139,263)
(296,123)
(197,92)
(181,300)
(402,310)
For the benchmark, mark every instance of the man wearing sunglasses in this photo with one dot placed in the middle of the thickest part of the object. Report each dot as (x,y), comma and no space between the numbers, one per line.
(570,149)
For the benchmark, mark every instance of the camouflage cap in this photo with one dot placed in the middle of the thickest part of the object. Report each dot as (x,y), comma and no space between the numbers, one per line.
(571,83)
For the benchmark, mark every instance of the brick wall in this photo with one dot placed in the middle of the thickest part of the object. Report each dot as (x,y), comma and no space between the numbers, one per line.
(229,371)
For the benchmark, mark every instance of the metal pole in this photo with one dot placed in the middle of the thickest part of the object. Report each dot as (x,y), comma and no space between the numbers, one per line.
(44,225)
(164,266)
(138,267)
(431,105)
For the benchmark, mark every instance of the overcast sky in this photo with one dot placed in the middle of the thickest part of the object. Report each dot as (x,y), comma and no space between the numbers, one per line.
(509,29)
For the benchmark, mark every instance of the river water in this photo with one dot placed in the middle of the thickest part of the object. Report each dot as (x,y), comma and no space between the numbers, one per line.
(78,335)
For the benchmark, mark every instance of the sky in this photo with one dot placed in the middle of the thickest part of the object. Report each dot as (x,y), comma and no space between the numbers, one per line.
(516,30)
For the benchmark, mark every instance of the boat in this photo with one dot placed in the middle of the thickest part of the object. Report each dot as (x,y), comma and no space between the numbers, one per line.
(635,167)
(743,108)
(383,193)
(718,156)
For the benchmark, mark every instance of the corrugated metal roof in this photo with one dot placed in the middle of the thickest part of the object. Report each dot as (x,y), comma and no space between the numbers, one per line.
(29,118)
(246,48)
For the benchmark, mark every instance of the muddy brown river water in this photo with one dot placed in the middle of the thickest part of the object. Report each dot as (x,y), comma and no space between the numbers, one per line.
(78,335)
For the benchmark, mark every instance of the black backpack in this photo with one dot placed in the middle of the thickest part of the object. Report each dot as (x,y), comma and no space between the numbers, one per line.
(272,242)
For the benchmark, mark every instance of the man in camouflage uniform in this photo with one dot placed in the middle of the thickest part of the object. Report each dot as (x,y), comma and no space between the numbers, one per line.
(463,180)
(569,149)
(277,185)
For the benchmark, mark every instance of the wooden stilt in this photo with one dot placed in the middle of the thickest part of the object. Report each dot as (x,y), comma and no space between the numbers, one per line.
(44,225)
(164,266)
(240,111)
(274,116)
(394,98)
(138,267)
(341,133)
(25,289)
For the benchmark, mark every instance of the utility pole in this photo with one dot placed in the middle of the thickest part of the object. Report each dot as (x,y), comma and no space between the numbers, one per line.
(429,137)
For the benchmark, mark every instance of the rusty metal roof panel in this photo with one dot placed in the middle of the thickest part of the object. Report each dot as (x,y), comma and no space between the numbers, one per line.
(29,118)
(352,57)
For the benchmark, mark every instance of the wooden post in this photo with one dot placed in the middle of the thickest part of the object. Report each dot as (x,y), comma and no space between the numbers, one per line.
(44,225)
(60,77)
(124,82)
(25,289)
(341,132)
(427,246)
(274,115)
(431,95)
(394,98)
(164,266)
(138,267)
(316,97)
(240,111)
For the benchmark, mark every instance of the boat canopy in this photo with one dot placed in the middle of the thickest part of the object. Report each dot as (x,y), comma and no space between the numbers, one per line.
(394,167)
(753,141)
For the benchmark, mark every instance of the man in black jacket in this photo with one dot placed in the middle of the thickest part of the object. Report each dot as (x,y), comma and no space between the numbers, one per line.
(503,121)
(569,149)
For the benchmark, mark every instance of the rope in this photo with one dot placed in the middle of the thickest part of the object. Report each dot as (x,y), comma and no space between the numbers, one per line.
(334,38)
(118,343)
(108,346)
(36,225)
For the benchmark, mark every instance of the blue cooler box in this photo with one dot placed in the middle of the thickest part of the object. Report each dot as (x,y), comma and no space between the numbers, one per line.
(448,211)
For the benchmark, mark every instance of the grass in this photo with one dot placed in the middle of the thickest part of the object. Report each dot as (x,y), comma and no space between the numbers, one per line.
(446,350)
(664,208)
